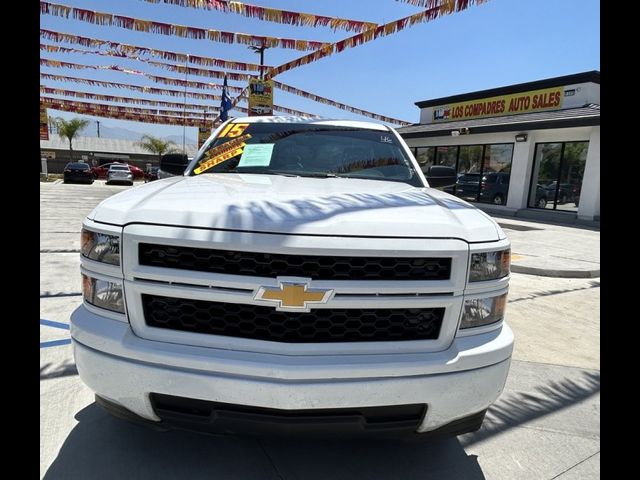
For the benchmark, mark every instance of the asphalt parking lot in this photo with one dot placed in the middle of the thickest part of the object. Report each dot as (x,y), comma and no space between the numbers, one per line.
(546,425)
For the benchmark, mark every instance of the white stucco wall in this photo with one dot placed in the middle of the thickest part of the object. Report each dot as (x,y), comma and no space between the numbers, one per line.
(589,207)
(523,158)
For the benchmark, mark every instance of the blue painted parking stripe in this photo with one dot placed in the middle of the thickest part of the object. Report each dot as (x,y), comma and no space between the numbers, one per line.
(55,343)
(51,323)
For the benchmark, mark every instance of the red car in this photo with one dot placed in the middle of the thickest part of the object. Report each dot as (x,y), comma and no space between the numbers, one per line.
(102,170)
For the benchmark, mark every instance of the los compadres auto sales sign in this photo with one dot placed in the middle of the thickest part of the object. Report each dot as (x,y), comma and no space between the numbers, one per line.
(524,102)
(260,97)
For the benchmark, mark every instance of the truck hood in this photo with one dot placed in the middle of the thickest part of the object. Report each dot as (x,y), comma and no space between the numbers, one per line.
(299,205)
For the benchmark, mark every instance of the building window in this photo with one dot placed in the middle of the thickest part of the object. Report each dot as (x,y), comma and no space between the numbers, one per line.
(425,157)
(558,169)
(469,173)
(483,170)
(447,156)
(496,172)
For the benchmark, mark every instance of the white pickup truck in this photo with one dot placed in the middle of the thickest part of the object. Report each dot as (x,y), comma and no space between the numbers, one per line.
(298,276)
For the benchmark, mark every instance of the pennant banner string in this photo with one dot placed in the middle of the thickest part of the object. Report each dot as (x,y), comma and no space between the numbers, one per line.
(194,84)
(117,108)
(46,62)
(159,119)
(440,8)
(459,5)
(243,77)
(333,103)
(113,98)
(60,37)
(274,15)
(160,28)
(128,86)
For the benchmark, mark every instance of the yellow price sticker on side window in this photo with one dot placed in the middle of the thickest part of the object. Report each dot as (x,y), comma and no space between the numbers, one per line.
(221,153)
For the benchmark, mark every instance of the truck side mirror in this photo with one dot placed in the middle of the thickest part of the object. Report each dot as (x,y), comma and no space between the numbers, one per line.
(441,176)
(174,163)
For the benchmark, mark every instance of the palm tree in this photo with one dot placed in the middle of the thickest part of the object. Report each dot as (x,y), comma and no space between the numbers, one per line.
(156,145)
(70,130)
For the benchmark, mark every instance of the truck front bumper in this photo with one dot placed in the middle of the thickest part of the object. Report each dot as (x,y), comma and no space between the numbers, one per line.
(125,370)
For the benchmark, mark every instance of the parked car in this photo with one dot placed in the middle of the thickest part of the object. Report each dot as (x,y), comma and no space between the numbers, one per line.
(119,174)
(151,174)
(565,193)
(101,171)
(575,194)
(262,290)
(466,186)
(176,162)
(493,187)
(541,197)
(77,172)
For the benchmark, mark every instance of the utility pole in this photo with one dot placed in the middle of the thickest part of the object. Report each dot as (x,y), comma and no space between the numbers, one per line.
(204,123)
(184,106)
(98,123)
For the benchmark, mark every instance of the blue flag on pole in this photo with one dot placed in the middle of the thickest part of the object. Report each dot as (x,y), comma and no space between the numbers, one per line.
(225,103)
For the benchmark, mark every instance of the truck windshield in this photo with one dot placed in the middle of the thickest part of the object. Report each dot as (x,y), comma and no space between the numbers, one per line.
(306,150)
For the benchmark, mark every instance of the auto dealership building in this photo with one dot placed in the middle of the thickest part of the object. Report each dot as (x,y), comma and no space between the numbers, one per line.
(531,150)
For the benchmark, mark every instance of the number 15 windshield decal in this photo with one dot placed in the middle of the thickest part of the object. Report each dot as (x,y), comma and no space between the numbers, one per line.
(233,130)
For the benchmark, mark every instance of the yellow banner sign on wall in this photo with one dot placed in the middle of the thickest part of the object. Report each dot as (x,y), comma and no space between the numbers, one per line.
(203,135)
(260,97)
(533,101)
(44,124)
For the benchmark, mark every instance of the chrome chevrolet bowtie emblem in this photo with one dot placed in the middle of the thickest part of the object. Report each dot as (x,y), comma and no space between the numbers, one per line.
(293,295)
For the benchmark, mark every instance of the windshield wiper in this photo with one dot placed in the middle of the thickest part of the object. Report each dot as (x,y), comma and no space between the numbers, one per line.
(317,175)
(257,172)
(290,173)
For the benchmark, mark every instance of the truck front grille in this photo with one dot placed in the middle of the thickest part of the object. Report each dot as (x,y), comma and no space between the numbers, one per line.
(272,265)
(265,323)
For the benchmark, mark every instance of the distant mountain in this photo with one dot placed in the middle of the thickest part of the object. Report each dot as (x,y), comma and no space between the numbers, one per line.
(178,139)
(126,134)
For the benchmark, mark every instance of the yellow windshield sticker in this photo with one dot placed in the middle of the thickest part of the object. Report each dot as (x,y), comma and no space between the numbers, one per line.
(221,153)
(233,130)
(212,162)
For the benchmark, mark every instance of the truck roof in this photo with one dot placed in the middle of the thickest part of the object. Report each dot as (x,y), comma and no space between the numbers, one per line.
(314,121)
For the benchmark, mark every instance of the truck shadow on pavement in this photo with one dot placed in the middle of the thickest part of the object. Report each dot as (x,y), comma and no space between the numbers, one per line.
(50,370)
(517,408)
(103,447)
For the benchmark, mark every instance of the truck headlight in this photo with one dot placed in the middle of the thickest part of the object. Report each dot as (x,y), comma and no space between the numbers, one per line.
(100,247)
(103,294)
(489,265)
(478,312)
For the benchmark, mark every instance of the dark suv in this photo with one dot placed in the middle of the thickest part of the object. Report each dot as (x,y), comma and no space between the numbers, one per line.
(493,188)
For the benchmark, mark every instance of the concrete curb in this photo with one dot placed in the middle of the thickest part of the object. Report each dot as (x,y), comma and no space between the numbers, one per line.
(548,272)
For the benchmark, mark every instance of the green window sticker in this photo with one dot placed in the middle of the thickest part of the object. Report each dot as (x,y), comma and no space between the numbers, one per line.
(256,155)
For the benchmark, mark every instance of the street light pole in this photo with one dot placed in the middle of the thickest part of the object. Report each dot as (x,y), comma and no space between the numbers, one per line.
(98,124)
(260,50)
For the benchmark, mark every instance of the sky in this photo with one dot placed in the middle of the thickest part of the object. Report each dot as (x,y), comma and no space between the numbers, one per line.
(498,43)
